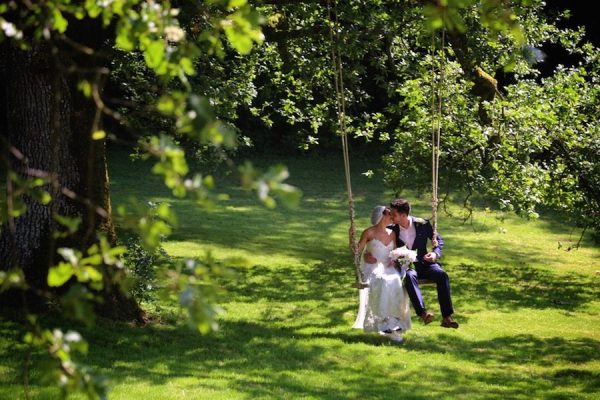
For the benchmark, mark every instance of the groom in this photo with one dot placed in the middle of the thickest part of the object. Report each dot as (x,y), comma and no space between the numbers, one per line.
(414,233)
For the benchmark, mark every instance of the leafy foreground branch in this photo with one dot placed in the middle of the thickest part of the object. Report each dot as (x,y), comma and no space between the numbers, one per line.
(58,241)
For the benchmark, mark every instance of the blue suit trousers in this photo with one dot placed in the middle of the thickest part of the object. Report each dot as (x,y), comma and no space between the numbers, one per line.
(435,273)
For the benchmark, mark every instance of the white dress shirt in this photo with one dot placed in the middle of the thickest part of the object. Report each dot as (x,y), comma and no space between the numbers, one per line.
(408,235)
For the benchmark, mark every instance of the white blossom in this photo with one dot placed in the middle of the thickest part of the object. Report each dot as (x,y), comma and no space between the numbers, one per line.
(10,30)
(73,336)
(174,33)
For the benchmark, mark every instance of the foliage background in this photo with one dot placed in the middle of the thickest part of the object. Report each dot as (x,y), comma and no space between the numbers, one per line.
(192,82)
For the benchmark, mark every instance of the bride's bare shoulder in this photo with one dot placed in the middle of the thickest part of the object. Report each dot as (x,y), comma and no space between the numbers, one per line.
(368,233)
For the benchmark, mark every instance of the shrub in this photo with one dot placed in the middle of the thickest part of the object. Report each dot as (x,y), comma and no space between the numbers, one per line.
(141,265)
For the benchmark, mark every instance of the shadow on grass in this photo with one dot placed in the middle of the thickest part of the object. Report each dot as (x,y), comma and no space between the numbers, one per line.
(264,361)
(514,349)
(259,360)
(505,289)
(304,233)
(510,288)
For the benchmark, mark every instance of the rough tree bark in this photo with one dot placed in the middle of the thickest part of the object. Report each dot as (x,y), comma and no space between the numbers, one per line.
(47,129)
(38,137)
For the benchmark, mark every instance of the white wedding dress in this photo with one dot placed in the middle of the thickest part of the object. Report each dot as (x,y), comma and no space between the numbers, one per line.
(384,305)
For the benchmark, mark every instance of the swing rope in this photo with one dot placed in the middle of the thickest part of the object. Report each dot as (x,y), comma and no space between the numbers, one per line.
(341,112)
(436,127)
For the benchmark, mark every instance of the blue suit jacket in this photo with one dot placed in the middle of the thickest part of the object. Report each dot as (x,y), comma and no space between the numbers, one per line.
(424,232)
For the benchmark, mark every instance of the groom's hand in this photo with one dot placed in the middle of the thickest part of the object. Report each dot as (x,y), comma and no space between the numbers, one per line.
(369,259)
(430,257)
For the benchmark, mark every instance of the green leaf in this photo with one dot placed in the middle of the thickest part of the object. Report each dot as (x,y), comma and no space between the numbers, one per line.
(208,182)
(236,3)
(165,104)
(238,39)
(242,28)
(71,223)
(85,87)
(164,212)
(289,195)
(125,40)
(98,135)
(93,8)
(95,259)
(89,274)
(154,54)
(59,22)
(42,196)
(13,278)
(59,275)
(187,66)
(77,303)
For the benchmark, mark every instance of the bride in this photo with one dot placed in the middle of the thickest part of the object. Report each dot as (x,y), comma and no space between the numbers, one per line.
(384,305)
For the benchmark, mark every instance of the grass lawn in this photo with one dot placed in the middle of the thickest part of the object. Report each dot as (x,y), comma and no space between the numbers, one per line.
(529,310)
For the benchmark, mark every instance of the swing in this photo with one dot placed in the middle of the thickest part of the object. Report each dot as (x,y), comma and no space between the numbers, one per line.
(341,113)
(360,282)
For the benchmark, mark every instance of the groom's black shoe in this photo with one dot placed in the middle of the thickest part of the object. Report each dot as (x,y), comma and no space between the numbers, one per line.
(449,323)
(426,317)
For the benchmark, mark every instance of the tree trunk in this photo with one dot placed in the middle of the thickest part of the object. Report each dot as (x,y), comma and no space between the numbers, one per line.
(38,108)
(48,131)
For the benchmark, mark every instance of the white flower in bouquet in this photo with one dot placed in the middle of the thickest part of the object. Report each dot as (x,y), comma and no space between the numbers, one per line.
(403,255)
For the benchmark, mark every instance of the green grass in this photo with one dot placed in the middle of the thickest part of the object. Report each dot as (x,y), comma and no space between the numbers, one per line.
(529,311)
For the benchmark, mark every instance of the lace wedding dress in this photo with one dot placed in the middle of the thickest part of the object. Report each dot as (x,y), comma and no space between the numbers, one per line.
(384,305)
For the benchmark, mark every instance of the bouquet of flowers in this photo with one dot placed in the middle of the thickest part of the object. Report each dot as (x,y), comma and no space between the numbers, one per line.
(403,256)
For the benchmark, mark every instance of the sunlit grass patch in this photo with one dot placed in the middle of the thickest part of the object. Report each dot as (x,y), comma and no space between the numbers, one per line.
(529,310)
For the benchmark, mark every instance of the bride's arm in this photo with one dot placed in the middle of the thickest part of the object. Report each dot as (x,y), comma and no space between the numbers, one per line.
(364,238)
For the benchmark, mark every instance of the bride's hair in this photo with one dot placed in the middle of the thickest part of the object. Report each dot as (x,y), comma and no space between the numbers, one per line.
(377,214)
